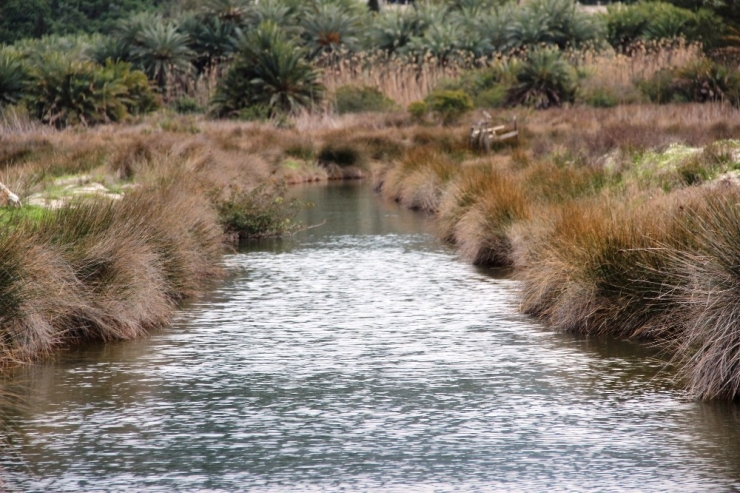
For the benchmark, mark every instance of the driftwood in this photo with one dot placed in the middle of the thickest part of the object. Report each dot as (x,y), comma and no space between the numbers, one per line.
(8,198)
(483,135)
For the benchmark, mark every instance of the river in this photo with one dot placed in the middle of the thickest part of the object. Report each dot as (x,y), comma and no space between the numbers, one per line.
(361,355)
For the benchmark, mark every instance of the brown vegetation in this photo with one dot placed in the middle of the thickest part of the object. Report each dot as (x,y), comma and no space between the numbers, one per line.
(611,227)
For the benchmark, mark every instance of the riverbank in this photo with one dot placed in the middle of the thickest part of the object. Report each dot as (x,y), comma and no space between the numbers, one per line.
(620,222)
(121,223)
(617,221)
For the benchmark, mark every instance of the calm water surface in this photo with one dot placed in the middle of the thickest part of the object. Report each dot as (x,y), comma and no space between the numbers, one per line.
(362,355)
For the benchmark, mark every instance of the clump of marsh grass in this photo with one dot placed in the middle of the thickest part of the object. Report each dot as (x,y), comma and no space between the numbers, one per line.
(98,269)
(418,180)
(482,233)
(709,286)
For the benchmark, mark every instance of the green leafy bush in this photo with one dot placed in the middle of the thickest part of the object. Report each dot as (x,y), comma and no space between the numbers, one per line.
(659,87)
(449,105)
(418,111)
(260,212)
(489,86)
(186,105)
(361,99)
(599,97)
(627,24)
(545,79)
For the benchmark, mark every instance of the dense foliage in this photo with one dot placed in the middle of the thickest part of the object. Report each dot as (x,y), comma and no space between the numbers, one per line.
(21,18)
(260,212)
(259,60)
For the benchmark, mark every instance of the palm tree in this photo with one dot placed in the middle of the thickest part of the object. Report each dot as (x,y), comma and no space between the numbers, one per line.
(229,11)
(394,29)
(545,79)
(328,28)
(13,77)
(271,71)
(211,39)
(162,51)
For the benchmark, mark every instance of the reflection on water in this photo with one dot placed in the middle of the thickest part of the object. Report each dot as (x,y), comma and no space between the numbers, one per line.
(362,355)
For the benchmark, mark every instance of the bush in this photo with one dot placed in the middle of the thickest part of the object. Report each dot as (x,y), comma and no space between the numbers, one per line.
(488,87)
(627,24)
(698,81)
(342,155)
(545,79)
(418,111)
(362,99)
(186,105)
(599,97)
(448,105)
(13,77)
(260,212)
(659,88)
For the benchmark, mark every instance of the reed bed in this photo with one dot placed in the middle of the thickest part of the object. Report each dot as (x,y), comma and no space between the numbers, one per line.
(403,78)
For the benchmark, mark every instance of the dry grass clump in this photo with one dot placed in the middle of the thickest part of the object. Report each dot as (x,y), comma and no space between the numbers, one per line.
(418,180)
(594,132)
(403,79)
(616,73)
(664,269)
(602,268)
(99,269)
(708,349)
(482,232)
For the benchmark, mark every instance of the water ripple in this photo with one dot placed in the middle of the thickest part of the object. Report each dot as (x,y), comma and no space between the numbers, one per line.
(364,362)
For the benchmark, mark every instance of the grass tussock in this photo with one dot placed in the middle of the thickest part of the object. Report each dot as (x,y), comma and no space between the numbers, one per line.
(105,270)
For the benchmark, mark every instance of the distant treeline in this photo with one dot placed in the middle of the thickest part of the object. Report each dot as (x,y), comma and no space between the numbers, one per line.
(35,18)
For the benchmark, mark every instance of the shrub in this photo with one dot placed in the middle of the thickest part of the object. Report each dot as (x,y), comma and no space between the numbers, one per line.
(450,106)
(418,111)
(260,212)
(659,87)
(488,87)
(599,97)
(340,154)
(545,79)
(698,81)
(627,24)
(705,81)
(361,99)
(186,105)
